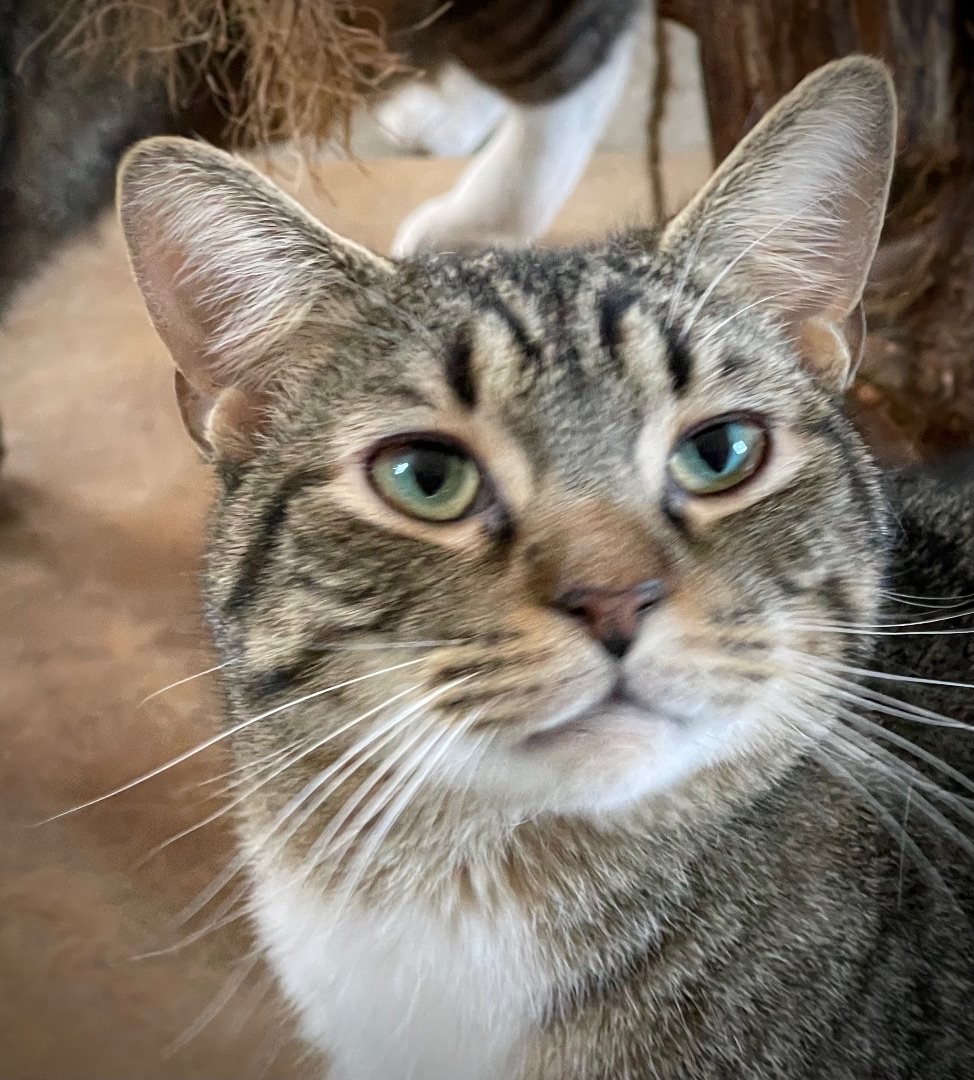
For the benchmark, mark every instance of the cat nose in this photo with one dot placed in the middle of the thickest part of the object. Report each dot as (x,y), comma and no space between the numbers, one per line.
(612,616)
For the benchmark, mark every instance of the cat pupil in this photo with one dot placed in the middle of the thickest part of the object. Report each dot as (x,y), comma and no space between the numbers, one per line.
(714,447)
(429,467)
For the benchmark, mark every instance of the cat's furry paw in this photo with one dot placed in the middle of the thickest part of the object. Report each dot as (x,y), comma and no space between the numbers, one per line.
(448,223)
(451,118)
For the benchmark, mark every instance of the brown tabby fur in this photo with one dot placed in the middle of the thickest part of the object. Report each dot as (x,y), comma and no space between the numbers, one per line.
(554,890)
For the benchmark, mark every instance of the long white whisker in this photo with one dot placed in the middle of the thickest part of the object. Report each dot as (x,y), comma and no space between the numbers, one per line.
(207,743)
(338,840)
(872,699)
(356,647)
(942,617)
(268,768)
(314,787)
(893,676)
(883,816)
(297,753)
(182,682)
(929,811)
(431,755)
(249,768)
(926,603)
(216,1006)
(241,861)
(877,731)
(219,919)
(821,628)
(319,847)
(907,597)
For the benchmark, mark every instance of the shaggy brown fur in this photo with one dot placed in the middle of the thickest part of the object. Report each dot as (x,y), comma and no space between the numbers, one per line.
(282,68)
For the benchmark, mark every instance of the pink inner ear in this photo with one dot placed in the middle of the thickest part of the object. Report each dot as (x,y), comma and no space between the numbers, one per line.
(159,265)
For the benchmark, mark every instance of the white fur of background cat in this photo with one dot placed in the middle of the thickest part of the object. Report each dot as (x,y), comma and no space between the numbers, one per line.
(531,162)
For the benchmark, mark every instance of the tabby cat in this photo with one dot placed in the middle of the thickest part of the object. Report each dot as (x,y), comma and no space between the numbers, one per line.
(556,601)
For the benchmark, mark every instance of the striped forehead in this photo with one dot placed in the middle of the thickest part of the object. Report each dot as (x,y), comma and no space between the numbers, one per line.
(606,338)
(579,353)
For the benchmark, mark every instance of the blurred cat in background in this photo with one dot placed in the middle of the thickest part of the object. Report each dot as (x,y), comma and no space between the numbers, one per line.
(545,75)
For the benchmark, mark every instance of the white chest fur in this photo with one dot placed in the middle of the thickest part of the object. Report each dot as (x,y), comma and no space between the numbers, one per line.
(405,996)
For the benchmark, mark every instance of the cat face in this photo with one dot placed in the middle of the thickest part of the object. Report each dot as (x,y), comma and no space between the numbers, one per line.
(559,530)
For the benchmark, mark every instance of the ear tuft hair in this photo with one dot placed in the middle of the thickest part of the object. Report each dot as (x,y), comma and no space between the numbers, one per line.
(795,212)
(229,267)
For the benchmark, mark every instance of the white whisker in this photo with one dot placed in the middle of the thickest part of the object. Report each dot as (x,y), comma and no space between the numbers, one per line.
(909,623)
(320,846)
(883,816)
(365,647)
(238,864)
(824,628)
(895,768)
(219,919)
(216,1006)
(247,767)
(894,676)
(213,740)
(182,682)
(429,757)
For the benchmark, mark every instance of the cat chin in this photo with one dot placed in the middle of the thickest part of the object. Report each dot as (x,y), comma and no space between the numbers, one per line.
(614,755)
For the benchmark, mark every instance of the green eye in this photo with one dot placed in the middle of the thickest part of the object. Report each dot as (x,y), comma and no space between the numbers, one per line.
(432,481)
(719,456)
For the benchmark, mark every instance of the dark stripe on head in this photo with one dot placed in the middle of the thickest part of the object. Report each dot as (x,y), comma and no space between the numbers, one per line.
(731,364)
(530,348)
(611,310)
(261,547)
(459,370)
(678,358)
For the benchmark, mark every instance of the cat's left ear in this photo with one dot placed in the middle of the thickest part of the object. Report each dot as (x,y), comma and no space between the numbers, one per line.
(795,212)
(230,269)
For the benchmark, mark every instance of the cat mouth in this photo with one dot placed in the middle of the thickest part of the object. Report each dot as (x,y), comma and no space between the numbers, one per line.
(588,719)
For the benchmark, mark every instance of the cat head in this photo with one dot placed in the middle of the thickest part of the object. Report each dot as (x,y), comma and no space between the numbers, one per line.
(565,529)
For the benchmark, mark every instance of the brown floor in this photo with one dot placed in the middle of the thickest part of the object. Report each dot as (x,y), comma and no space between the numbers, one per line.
(101,505)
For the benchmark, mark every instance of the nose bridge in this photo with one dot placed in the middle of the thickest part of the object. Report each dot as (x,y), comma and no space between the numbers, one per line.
(599,563)
(605,547)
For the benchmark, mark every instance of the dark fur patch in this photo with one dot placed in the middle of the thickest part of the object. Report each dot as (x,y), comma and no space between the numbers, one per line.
(613,307)
(678,359)
(528,346)
(261,547)
(459,370)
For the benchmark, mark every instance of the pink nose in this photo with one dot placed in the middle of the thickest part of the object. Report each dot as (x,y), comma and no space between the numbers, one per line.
(612,616)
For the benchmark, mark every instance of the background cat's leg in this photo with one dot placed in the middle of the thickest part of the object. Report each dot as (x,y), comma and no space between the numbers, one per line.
(516,185)
(449,117)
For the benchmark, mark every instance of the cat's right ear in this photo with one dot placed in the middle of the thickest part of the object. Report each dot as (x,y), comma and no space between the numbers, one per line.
(229,267)
(795,212)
